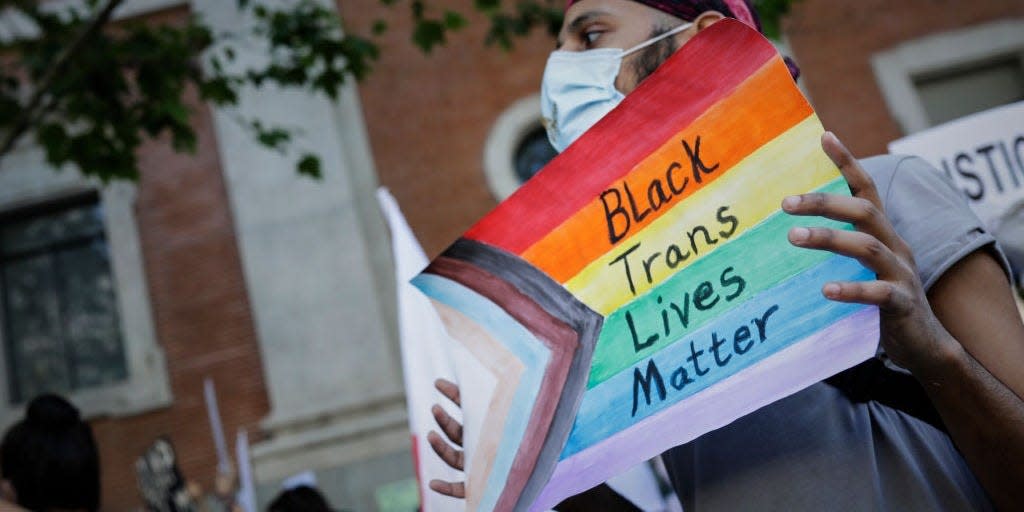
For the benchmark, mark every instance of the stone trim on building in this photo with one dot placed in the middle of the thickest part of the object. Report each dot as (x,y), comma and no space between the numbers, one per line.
(896,68)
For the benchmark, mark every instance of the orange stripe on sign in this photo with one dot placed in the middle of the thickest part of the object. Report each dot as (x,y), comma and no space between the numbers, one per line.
(694,157)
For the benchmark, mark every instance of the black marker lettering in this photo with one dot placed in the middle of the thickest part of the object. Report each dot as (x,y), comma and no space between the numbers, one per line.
(699,168)
(641,381)
(969,173)
(671,171)
(625,263)
(693,358)
(762,323)
(732,280)
(985,150)
(727,219)
(614,235)
(716,343)
(637,346)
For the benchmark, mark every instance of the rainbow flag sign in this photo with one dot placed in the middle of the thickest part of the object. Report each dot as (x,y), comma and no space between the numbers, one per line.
(641,291)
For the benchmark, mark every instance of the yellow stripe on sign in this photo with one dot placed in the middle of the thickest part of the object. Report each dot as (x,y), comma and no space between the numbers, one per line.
(792,163)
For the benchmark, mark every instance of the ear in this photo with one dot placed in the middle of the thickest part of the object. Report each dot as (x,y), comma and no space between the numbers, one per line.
(706,19)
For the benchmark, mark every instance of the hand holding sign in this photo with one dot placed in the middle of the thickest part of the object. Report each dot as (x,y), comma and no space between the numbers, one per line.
(910,333)
(453,431)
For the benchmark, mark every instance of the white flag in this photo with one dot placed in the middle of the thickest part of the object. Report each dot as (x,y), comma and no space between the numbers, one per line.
(425,357)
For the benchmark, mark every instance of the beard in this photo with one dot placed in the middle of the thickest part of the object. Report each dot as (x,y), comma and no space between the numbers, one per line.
(648,60)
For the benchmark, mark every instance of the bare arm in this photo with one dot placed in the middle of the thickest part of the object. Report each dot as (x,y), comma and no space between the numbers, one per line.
(974,302)
(977,385)
(973,317)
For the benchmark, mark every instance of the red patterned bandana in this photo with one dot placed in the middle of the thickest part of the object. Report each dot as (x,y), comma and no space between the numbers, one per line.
(689,10)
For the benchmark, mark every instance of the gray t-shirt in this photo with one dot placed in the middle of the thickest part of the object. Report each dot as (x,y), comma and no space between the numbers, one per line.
(817,450)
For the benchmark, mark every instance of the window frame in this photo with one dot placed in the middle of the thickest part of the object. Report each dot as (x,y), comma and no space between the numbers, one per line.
(27,181)
(896,68)
(52,250)
(512,126)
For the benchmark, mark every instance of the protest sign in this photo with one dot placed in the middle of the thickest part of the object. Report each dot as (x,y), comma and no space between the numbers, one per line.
(640,290)
(983,154)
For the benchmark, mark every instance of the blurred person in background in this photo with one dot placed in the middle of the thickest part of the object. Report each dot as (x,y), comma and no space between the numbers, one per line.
(302,498)
(49,461)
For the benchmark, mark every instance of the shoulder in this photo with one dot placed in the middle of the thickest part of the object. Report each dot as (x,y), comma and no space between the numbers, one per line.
(901,178)
(928,212)
(882,168)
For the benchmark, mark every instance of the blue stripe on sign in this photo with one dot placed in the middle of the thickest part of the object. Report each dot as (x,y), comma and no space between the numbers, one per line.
(784,315)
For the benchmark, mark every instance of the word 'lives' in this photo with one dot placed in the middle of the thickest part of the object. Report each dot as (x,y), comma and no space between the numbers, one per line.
(677,312)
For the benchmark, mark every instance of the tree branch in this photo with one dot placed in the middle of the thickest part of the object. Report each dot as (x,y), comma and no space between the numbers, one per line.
(28,115)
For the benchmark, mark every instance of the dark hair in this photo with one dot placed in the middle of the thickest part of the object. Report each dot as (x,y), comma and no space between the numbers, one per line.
(50,458)
(299,499)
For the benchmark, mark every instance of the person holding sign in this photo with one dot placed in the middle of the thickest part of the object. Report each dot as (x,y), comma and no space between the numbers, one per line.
(936,420)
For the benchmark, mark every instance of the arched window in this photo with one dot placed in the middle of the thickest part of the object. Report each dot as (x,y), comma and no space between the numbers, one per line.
(533,153)
(517,147)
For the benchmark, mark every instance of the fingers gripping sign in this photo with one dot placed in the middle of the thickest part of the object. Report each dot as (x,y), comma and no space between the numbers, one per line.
(909,330)
(453,431)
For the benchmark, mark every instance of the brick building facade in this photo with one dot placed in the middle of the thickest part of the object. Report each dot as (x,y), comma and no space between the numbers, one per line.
(279,289)
(201,315)
(836,44)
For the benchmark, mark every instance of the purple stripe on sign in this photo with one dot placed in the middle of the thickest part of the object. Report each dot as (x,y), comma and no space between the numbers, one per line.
(815,358)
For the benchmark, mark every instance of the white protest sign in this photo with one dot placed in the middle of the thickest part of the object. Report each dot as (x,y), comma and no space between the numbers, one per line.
(983,154)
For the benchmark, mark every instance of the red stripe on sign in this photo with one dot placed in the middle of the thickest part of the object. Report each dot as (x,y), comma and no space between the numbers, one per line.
(703,72)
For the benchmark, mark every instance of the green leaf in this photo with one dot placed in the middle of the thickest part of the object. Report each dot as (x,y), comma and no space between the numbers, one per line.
(379,27)
(771,13)
(487,6)
(309,165)
(54,140)
(219,90)
(273,138)
(454,20)
(183,139)
(428,34)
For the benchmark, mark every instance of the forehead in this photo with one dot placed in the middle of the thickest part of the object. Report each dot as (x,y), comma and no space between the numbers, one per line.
(621,10)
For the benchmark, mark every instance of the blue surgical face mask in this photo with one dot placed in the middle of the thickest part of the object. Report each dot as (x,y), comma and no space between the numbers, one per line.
(578,88)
